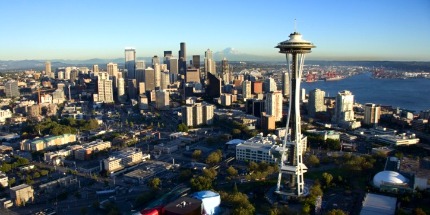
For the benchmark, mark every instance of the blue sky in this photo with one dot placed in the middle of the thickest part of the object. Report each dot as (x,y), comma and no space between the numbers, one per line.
(341,30)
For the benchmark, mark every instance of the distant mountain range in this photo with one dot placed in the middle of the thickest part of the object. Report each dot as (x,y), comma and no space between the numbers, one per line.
(230,54)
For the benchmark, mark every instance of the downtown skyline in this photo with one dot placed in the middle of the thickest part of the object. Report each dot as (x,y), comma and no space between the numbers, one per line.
(353,30)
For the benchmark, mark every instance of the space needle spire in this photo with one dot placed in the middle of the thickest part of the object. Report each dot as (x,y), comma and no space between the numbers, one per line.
(291,164)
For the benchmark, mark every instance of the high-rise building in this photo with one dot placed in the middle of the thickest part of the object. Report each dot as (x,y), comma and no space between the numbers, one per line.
(213,87)
(174,69)
(149,79)
(292,164)
(269,85)
(140,64)
(316,102)
(142,88)
(196,61)
(67,73)
(182,59)
(226,71)
(257,87)
(210,65)
(140,75)
(162,99)
(167,56)
(165,80)
(95,69)
(246,90)
(192,75)
(112,69)
(130,62)
(155,60)
(344,109)
(122,98)
(157,74)
(285,84)
(11,89)
(198,114)
(132,89)
(372,113)
(48,71)
(274,105)
(104,88)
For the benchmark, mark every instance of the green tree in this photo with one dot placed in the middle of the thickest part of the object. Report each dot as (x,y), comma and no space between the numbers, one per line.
(197,154)
(154,183)
(201,183)
(328,178)
(84,211)
(231,171)
(253,166)
(313,160)
(336,212)
(333,144)
(214,157)
(236,132)
(418,211)
(44,172)
(210,173)
(182,127)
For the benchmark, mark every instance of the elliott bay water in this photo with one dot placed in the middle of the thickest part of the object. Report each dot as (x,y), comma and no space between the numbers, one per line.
(410,94)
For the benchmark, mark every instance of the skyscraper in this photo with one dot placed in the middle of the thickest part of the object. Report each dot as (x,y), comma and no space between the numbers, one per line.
(192,75)
(344,110)
(112,69)
(167,56)
(226,71)
(130,62)
(140,64)
(174,68)
(285,84)
(165,80)
(182,59)
(11,89)
(104,88)
(162,99)
(196,61)
(132,88)
(155,60)
(292,164)
(149,79)
(48,71)
(210,65)
(274,105)
(316,102)
(157,74)
(122,98)
(95,69)
(246,90)
(372,113)
(269,85)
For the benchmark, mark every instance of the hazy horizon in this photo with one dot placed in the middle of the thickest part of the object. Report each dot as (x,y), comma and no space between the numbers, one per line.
(391,30)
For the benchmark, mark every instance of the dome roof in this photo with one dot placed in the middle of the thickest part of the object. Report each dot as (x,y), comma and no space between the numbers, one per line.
(388,177)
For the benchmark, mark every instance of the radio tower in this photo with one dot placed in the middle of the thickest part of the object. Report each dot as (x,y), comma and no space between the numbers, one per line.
(291,164)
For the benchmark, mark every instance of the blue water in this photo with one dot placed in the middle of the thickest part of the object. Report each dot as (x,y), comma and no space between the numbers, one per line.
(411,94)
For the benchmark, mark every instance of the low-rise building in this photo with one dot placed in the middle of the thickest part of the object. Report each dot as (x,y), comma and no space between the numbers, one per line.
(39,144)
(123,159)
(4,180)
(258,149)
(88,148)
(397,140)
(21,194)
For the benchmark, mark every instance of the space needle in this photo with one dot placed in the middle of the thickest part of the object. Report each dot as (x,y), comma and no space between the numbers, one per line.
(291,165)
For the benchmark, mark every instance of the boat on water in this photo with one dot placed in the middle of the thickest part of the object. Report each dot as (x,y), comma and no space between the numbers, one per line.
(336,78)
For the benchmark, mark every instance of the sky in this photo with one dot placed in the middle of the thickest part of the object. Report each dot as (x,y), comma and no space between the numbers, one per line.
(341,30)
